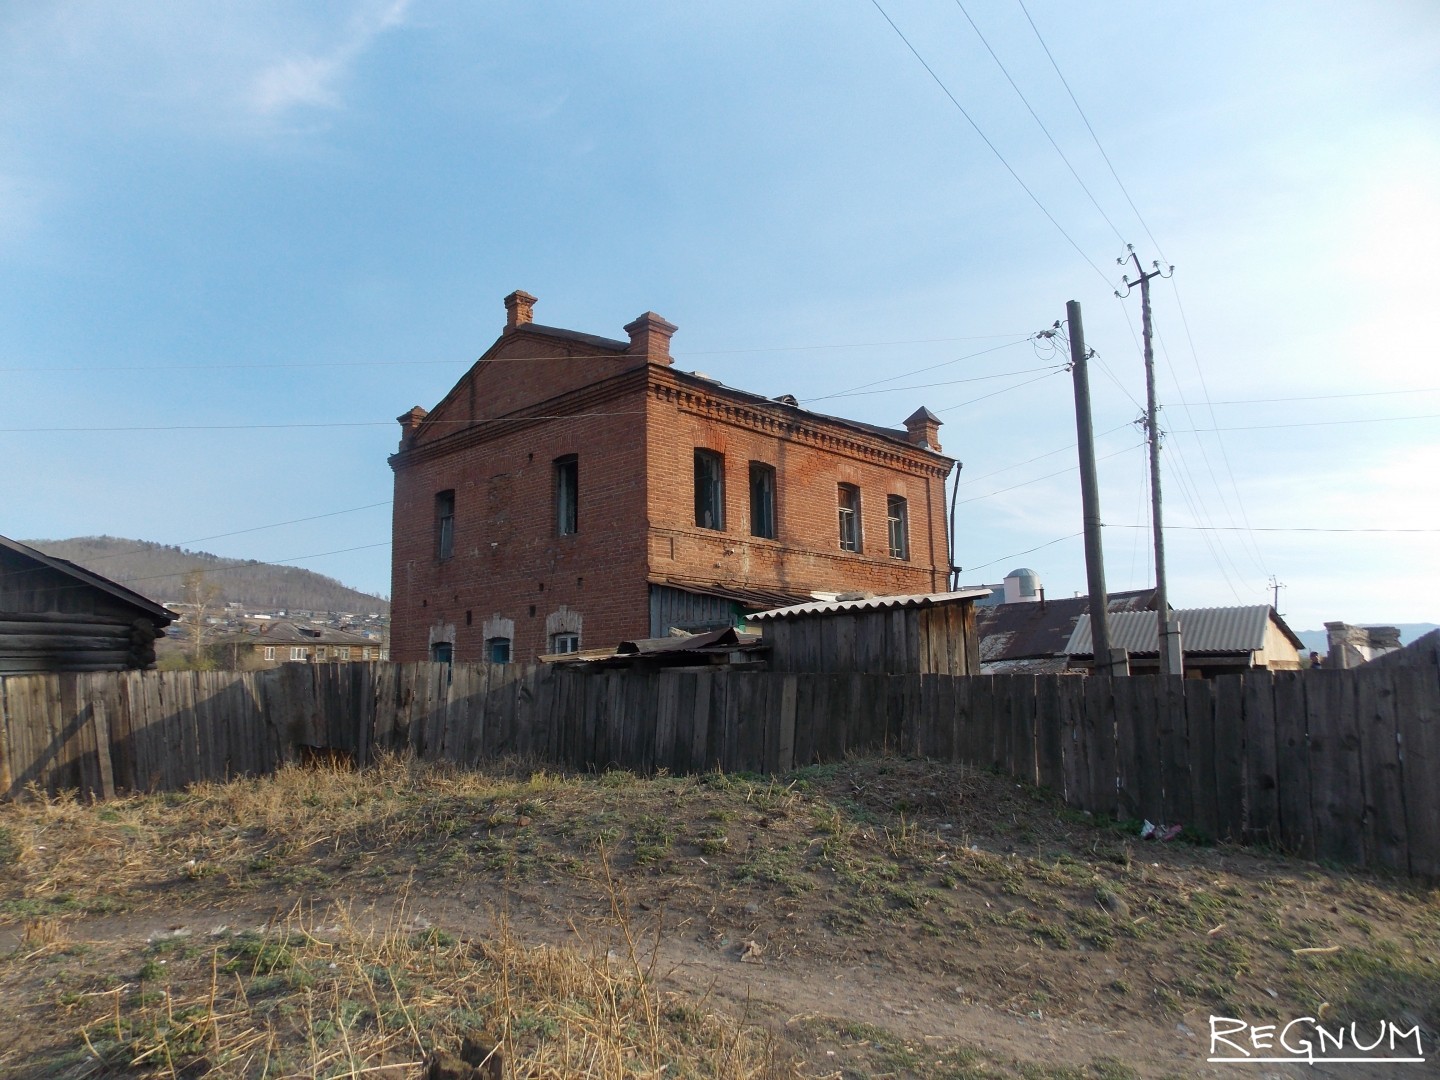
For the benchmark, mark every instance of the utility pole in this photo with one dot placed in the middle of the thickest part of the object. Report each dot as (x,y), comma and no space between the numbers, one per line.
(1171,660)
(1275,586)
(1089,494)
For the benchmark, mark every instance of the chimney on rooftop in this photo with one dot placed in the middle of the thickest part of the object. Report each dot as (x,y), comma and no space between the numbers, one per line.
(650,337)
(924,429)
(409,421)
(519,309)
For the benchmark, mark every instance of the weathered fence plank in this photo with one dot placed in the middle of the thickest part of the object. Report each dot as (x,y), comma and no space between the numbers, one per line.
(1417,700)
(1200,734)
(1262,784)
(1229,734)
(1292,765)
(1337,800)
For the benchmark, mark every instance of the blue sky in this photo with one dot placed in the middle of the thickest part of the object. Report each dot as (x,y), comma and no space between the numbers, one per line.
(237,240)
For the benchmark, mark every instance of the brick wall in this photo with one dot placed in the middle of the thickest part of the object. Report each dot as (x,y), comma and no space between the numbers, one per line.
(509,559)
(633,427)
(805,554)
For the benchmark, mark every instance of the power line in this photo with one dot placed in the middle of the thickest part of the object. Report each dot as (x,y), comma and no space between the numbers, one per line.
(237,532)
(919,371)
(993,149)
(1278,529)
(329,424)
(1311,423)
(1003,390)
(928,386)
(1140,217)
(1040,122)
(1027,551)
(1047,476)
(494,359)
(1037,457)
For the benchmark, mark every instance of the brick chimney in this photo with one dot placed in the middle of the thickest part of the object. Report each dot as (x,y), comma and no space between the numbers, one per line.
(650,337)
(410,421)
(924,429)
(519,309)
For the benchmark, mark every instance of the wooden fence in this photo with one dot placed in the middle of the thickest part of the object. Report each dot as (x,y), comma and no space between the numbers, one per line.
(1335,765)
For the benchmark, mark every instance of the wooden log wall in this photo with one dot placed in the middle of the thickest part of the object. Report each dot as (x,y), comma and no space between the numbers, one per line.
(1335,765)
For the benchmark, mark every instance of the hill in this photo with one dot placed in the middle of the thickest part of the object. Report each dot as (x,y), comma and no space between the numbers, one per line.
(158,571)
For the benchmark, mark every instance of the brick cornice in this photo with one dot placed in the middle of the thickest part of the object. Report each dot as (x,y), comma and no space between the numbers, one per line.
(834,555)
(832,436)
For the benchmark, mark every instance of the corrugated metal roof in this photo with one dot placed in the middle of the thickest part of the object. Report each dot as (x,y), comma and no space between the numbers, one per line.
(1202,630)
(870,603)
(748,595)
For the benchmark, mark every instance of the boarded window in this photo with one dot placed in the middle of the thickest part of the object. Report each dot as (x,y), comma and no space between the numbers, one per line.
(497,650)
(567,495)
(762,500)
(849,517)
(709,489)
(444,524)
(897,517)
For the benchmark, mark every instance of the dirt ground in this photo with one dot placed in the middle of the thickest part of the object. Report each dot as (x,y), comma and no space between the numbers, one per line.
(884,917)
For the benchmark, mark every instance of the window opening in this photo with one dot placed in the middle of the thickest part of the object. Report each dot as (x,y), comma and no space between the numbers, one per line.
(497,650)
(564,643)
(445,524)
(709,490)
(567,495)
(897,517)
(849,517)
(762,500)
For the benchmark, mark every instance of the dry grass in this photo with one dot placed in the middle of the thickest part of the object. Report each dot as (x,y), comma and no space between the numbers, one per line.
(929,872)
(322,996)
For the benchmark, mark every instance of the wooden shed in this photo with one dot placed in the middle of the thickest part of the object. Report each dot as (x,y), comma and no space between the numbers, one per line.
(922,633)
(56,616)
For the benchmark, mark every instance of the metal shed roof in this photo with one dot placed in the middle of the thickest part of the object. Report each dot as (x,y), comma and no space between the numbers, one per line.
(871,603)
(1202,630)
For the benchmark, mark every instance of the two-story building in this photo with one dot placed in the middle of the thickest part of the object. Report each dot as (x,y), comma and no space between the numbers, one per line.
(574,491)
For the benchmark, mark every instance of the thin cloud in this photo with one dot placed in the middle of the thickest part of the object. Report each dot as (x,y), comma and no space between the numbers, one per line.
(314,80)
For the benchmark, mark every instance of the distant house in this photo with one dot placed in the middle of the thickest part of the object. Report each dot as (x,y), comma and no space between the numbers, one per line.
(285,642)
(575,491)
(57,616)
(1215,641)
(1029,636)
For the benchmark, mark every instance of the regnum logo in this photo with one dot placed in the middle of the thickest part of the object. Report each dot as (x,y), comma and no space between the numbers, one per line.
(1306,1040)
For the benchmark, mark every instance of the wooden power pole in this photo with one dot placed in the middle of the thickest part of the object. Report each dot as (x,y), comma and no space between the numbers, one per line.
(1171,659)
(1089,494)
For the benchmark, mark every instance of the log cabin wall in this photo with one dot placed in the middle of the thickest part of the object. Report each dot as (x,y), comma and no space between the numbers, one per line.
(53,621)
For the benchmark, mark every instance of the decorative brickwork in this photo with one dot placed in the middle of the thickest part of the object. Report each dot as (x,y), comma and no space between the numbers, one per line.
(632,423)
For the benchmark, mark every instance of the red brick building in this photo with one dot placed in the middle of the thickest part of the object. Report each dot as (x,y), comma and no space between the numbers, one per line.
(575,491)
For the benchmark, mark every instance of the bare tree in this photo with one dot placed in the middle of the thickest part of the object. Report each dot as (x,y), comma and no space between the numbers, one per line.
(201,597)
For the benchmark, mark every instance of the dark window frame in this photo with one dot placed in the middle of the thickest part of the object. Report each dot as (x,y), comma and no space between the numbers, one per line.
(762,501)
(442,652)
(567,495)
(445,524)
(851,534)
(709,489)
(492,647)
(897,526)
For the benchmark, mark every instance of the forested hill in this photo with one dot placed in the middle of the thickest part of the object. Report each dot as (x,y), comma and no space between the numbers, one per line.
(158,571)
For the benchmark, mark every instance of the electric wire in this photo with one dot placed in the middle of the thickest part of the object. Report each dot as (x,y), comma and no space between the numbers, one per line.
(918,371)
(993,148)
(1064,82)
(1036,117)
(1046,476)
(1027,551)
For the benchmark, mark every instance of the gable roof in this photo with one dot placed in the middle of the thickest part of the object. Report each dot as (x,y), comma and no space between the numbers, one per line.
(162,615)
(292,633)
(1033,631)
(1217,631)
